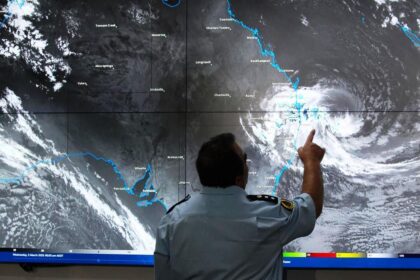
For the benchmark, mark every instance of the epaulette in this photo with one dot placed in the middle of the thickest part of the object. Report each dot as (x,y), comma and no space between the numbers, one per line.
(178,203)
(263,197)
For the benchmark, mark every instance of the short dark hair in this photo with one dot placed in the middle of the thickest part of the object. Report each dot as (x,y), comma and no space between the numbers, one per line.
(218,164)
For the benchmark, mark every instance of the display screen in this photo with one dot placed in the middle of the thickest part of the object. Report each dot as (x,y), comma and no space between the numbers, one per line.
(104,105)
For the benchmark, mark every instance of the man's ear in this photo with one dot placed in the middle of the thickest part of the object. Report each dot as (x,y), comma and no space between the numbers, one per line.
(240,181)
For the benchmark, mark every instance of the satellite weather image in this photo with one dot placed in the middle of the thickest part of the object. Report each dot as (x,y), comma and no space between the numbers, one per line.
(104,105)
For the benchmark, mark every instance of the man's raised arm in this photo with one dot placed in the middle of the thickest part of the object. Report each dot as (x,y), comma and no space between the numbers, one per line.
(311,155)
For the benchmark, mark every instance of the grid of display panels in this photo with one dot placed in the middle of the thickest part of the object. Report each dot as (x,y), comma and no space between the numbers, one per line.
(106,103)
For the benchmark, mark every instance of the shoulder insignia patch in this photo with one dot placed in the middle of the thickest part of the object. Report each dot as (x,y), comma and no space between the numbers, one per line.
(263,197)
(287,204)
(178,203)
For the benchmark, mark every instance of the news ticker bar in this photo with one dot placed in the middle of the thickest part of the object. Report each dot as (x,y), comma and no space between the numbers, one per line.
(347,255)
(75,251)
(292,260)
(337,255)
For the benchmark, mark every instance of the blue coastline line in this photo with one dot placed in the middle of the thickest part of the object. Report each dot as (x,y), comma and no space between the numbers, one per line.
(174,5)
(9,14)
(411,35)
(129,188)
(266,51)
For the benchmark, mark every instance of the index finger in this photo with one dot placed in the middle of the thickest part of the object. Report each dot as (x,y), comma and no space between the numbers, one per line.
(310,137)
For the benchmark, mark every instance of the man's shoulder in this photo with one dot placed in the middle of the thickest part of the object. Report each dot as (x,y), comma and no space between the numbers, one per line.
(178,210)
(185,199)
(271,206)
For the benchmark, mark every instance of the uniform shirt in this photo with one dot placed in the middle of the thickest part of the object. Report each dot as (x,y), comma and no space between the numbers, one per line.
(220,233)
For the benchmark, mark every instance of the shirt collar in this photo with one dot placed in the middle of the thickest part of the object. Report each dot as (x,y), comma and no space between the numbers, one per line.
(223,191)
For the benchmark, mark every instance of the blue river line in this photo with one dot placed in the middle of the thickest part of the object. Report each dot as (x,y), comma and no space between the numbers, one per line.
(411,35)
(9,14)
(148,189)
(174,5)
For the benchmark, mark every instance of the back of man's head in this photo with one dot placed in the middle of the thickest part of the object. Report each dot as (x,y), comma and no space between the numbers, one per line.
(218,163)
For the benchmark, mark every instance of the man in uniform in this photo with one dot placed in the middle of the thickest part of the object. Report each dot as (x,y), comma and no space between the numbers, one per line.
(223,233)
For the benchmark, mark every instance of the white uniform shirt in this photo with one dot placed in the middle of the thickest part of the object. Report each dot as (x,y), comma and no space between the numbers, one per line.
(221,233)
